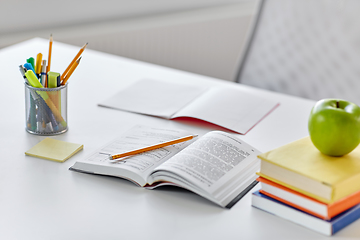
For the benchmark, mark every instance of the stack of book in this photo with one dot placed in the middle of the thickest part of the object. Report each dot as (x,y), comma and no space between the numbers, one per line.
(302,185)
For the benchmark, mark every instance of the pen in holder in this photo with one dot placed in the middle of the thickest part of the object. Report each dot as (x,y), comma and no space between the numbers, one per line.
(46,110)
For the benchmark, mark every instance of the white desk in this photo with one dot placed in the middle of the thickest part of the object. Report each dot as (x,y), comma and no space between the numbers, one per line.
(41,199)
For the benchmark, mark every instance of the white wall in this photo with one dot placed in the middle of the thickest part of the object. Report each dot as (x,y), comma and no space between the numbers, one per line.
(201,36)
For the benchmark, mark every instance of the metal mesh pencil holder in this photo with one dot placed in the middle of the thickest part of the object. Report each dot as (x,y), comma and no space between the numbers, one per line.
(46,110)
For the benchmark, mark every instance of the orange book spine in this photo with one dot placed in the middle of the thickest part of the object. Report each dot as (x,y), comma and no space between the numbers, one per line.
(343,204)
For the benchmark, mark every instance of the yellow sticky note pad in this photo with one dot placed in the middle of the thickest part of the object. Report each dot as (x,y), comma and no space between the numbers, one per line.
(54,150)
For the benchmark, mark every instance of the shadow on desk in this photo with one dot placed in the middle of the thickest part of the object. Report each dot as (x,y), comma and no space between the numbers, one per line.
(170,195)
(181,197)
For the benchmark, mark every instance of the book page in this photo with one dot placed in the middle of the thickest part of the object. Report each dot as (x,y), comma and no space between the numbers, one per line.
(138,167)
(234,109)
(213,162)
(152,97)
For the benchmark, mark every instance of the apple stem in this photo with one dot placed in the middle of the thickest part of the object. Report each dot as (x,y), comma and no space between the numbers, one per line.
(337,104)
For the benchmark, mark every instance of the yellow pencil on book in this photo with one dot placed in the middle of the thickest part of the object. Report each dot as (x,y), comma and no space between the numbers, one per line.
(152,147)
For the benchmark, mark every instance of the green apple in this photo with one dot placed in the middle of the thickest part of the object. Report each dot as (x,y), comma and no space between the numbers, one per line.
(334,126)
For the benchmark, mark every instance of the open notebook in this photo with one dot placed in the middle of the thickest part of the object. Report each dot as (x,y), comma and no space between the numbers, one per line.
(231,108)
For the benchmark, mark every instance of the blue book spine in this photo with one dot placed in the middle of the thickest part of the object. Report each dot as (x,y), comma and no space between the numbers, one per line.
(345,218)
(337,223)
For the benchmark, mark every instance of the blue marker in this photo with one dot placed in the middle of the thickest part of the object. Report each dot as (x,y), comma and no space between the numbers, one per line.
(28,66)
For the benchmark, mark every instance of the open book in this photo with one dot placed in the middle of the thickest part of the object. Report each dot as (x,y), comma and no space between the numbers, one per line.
(217,166)
(228,107)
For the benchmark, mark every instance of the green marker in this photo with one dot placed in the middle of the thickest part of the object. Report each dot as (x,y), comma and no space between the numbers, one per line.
(32,61)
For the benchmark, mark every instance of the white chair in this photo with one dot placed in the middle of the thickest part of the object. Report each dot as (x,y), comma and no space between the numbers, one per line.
(307,48)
